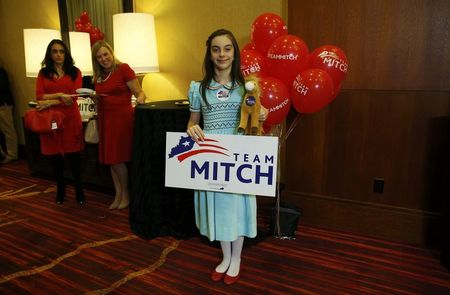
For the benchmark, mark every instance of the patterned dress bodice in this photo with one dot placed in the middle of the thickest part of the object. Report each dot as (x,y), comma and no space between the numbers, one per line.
(223,113)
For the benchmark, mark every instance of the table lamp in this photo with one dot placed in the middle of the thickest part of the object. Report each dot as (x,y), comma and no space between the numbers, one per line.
(35,43)
(80,48)
(135,41)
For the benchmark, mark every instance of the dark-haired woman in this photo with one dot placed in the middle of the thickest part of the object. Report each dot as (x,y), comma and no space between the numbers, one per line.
(57,80)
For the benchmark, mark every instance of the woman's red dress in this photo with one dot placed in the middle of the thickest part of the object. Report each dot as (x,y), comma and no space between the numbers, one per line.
(70,139)
(115,116)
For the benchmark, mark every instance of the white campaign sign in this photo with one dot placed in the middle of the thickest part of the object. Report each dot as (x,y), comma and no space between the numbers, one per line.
(226,163)
(87,109)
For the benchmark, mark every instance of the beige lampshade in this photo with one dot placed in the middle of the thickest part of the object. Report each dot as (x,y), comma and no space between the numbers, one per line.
(80,48)
(135,41)
(35,43)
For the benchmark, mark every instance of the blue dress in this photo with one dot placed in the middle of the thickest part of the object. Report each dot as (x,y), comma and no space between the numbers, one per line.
(222,216)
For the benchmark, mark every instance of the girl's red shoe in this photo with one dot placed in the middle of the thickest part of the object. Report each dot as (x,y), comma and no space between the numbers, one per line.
(217,276)
(229,280)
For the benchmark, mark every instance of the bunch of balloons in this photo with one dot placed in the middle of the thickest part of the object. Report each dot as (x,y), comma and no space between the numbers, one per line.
(288,73)
(83,24)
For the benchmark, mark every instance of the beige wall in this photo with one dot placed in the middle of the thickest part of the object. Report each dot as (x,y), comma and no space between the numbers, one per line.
(16,15)
(182,28)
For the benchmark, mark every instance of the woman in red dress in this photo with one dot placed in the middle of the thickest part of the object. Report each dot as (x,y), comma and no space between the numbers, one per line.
(115,82)
(57,79)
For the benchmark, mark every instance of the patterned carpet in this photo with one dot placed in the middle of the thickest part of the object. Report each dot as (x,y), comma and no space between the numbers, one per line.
(47,248)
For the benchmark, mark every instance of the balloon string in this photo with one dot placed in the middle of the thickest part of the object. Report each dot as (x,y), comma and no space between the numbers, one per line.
(283,138)
(277,229)
(291,128)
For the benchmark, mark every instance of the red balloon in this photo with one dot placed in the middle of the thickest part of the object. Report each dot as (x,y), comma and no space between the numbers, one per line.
(94,36)
(312,90)
(287,56)
(275,98)
(79,27)
(253,62)
(84,17)
(83,28)
(247,46)
(266,28)
(331,59)
(88,27)
(266,128)
(337,89)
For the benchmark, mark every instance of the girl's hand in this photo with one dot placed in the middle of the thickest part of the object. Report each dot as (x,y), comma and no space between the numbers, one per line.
(196,133)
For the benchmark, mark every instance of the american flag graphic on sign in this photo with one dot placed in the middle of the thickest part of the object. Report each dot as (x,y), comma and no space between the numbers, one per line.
(187,147)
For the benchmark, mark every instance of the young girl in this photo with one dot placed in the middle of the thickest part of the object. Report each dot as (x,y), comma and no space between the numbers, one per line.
(220,216)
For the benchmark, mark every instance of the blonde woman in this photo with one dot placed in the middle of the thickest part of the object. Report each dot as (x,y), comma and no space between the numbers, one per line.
(115,82)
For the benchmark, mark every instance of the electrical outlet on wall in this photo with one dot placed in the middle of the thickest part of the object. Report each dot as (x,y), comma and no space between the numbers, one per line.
(378,185)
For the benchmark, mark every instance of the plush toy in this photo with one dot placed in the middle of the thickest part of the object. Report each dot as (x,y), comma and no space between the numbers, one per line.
(251,107)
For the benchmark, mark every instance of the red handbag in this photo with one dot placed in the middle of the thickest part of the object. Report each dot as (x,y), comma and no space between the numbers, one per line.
(45,121)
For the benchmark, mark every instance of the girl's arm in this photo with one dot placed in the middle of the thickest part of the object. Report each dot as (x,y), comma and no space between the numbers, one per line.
(193,129)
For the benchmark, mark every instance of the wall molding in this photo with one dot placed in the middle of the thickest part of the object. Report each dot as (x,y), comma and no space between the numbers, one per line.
(398,224)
